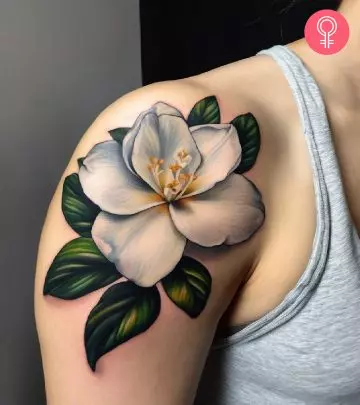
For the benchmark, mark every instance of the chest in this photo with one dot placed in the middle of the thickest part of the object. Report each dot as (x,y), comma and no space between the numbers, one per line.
(314,358)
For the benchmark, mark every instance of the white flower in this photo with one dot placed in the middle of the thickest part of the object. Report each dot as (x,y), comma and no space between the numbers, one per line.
(167,184)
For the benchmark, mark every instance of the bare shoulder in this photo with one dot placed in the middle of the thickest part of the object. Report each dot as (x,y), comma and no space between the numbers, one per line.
(242,86)
(238,86)
(151,230)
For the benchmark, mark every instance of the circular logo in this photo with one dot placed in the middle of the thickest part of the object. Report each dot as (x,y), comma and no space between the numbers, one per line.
(327,32)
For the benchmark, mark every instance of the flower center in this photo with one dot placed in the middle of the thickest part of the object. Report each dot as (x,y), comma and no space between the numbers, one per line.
(175,179)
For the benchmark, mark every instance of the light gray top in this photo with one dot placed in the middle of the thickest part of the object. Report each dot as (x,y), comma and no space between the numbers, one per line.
(306,350)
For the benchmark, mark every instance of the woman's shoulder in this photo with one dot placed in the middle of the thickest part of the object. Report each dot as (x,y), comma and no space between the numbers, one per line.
(254,93)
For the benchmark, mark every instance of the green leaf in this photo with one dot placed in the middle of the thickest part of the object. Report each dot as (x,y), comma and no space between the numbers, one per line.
(188,286)
(249,137)
(123,312)
(79,269)
(118,134)
(78,210)
(206,111)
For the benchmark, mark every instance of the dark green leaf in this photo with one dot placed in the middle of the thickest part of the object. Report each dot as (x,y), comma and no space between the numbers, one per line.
(80,161)
(206,111)
(118,134)
(188,286)
(123,312)
(79,269)
(249,137)
(79,211)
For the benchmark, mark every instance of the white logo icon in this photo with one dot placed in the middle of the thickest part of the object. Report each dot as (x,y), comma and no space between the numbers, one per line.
(330,31)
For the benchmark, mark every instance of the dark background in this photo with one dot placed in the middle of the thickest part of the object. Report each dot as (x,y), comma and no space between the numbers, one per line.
(192,36)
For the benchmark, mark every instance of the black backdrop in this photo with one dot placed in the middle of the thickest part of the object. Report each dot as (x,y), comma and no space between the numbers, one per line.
(184,38)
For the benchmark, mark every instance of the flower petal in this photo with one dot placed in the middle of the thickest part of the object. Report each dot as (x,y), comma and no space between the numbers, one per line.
(108,183)
(221,153)
(145,247)
(157,109)
(163,137)
(229,213)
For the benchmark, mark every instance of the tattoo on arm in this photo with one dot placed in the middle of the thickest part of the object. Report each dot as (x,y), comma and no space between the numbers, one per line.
(135,202)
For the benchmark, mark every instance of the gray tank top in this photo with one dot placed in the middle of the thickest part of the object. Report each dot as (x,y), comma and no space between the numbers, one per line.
(306,350)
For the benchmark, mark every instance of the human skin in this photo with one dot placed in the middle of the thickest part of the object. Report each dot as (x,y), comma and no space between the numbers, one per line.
(163,365)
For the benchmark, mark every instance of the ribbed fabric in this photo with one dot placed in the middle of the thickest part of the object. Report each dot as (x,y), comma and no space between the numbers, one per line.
(306,350)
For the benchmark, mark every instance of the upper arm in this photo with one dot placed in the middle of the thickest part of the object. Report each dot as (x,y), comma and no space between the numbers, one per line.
(116,323)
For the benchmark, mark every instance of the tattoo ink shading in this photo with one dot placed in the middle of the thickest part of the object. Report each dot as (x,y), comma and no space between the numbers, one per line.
(130,205)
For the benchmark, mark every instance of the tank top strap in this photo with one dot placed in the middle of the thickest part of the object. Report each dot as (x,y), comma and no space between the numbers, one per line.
(312,111)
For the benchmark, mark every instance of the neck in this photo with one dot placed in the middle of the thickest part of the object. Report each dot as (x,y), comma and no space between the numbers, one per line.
(338,74)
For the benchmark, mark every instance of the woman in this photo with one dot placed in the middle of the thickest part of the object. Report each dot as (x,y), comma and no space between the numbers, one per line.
(230,195)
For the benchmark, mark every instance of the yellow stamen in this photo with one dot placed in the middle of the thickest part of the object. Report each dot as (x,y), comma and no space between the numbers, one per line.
(173,184)
(175,167)
(177,181)
(184,177)
(182,154)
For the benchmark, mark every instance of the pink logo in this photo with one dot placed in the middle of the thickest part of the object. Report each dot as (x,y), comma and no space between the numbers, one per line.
(327,32)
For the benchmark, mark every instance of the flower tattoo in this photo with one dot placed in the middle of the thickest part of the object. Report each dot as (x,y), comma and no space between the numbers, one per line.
(135,203)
